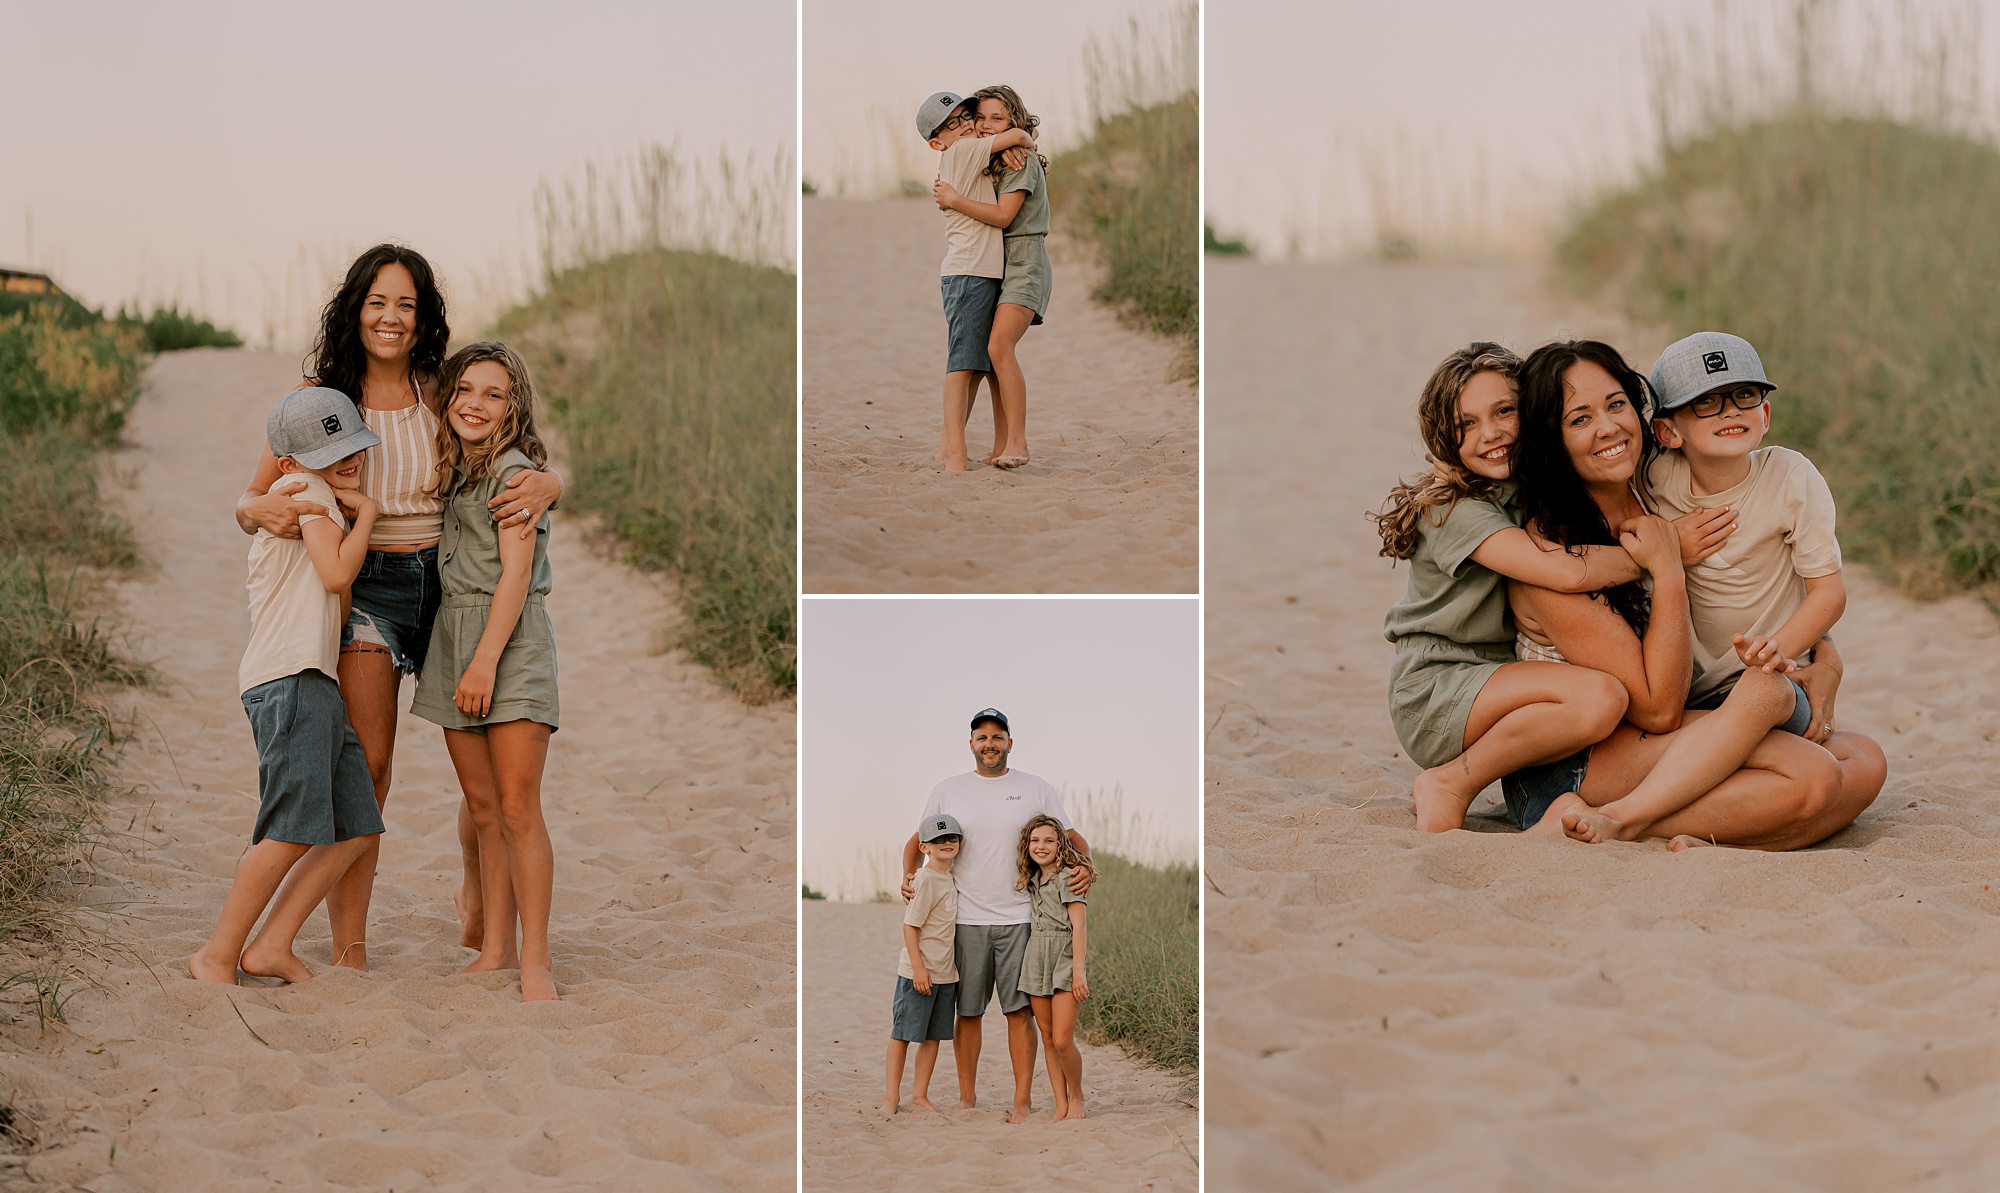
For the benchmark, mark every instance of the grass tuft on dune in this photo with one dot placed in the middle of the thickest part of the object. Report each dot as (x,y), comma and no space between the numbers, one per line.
(1143,961)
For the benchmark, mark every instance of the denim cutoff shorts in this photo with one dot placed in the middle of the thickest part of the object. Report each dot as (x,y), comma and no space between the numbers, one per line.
(1801,718)
(395,601)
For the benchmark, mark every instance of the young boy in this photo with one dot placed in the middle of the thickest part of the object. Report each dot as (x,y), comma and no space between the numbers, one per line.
(925,1008)
(975,258)
(315,799)
(1772,591)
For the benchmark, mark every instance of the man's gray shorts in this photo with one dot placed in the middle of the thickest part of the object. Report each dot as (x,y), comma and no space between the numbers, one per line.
(1800,722)
(312,778)
(989,958)
(968,321)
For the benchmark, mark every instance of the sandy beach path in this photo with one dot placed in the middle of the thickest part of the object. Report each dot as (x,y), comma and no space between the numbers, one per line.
(669,1062)
(1109,503)
(1139,1136)
(1475,1011)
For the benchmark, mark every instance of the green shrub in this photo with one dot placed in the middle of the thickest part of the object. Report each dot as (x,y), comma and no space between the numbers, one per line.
(55,374)
(167,329)
(1143,961)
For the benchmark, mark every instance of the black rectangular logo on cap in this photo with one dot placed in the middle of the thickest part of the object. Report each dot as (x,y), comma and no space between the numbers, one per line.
(332,422)
(1715,362)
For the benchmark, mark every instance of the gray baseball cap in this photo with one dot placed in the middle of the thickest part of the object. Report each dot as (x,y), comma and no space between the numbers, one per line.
(1704,361)
(991,714)
(935,111)
(317,426)
(938,826)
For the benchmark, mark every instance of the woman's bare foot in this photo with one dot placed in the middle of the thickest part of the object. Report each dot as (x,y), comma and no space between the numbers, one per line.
(485,964)
(1551,823)
(471,924)
(537,984)
(204,969)
(265,961)
(1684,842)
(1592,828)
(1440,806)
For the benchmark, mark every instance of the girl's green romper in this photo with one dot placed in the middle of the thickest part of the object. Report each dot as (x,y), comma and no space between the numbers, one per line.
(1047,966)
(1029,277)
(524,684)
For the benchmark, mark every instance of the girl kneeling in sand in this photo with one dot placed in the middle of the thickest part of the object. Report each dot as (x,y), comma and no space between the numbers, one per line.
(491,681)
(1585,433)
(1022,212)
(1052,968)
(1463,707)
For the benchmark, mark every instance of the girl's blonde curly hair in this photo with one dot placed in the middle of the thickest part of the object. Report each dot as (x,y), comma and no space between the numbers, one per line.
(1017,114)
(516,430)
(1441,425)
(1068,856)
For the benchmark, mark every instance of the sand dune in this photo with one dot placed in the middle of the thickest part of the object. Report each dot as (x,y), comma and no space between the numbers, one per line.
(1476,1011)
(1140,1134)
(670,1062)
(1109,504)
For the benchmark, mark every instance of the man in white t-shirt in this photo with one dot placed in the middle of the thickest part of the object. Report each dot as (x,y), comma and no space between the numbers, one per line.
(993,804)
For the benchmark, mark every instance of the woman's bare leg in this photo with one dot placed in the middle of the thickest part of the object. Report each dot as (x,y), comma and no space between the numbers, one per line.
(472,759)
(520,750)
(1010,322)
(1703,753)
(1526,713)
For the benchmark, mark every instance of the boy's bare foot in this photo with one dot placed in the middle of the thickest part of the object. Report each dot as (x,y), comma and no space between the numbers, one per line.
(1021,1112)
(537,985)
(472,927)
(265,961)
(1685,841)
(484,964)
(203,969)
(1440,806)
(1593,828)
(1551,823)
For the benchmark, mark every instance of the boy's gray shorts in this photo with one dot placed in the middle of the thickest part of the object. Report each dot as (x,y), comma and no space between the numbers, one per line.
(989,957)
(968,321)
(1801,719)
(312,778)
(918,1017)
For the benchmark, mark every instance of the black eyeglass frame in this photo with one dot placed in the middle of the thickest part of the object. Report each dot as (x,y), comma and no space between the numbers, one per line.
(1743,397)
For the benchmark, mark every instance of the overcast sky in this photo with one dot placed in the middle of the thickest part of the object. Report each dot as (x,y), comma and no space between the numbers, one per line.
(234,154)
(869,63)
(1314,108)
(1098,692)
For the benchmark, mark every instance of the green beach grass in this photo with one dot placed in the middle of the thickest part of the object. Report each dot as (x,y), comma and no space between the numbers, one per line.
(665,343)
(65,386)
(1858,251)
(1143,960)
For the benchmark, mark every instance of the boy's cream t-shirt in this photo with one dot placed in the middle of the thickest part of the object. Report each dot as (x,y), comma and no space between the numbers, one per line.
(294,620)
(970,247)
(933,912)
(1784,537)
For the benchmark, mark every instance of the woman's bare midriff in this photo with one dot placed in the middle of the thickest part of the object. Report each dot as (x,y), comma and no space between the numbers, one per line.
(403,548)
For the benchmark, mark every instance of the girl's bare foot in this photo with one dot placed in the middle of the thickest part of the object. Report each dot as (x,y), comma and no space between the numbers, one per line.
(265,961)
(203,969)
(484,964)
(537,984)
(1440,806)
(1593,828)
(1021,1112)
(471,925)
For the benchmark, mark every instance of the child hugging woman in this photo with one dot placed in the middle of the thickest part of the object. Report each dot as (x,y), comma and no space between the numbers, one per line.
(1052,967)
(491,677)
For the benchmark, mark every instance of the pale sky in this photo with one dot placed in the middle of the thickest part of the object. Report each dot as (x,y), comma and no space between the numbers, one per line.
(869,63)
(234,155)
(1098,693)
(1315,109)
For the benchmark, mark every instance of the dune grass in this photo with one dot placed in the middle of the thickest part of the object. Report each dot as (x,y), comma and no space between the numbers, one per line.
(65,386)
(1143,959)
(1856,248)
(664,336)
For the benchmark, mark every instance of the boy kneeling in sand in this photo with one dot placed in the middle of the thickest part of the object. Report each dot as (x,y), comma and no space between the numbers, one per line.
(1769,595)
(315,800)
(975,258)
(925,1009)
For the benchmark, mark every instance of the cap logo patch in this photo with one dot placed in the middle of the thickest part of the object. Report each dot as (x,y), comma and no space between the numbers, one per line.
(331,423)
(1715,362)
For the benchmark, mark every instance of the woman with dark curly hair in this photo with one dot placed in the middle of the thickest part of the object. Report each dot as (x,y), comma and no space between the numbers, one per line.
(382,337)
(1723,777)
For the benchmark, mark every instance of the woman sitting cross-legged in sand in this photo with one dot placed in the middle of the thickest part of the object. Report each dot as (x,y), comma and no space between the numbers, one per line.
(381,341)
(1726,777)
(1022,212)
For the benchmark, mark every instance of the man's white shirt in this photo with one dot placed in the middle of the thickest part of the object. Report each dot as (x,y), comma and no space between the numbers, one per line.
(992,812)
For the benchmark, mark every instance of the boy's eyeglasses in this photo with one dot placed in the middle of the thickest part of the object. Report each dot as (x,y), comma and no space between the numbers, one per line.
(1743,397)
(949,840)
(958,122)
